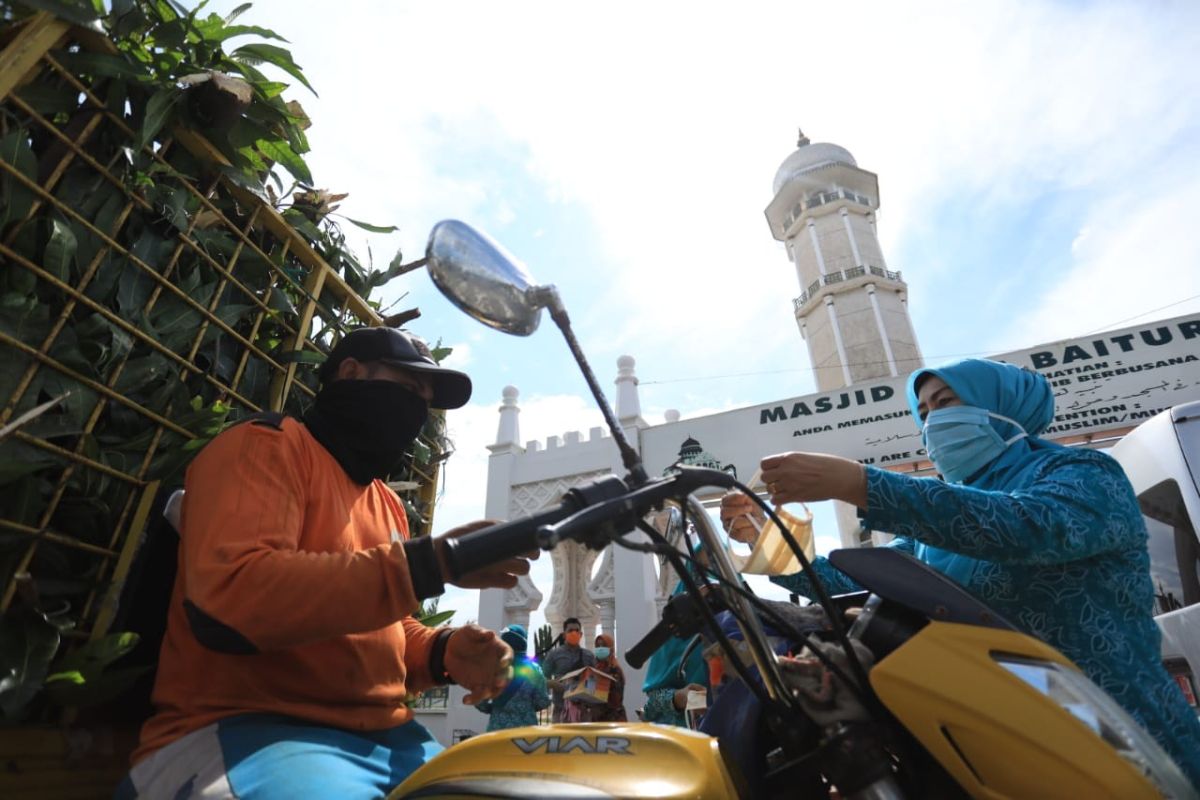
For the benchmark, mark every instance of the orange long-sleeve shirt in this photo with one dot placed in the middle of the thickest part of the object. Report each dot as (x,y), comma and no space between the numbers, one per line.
(284,559)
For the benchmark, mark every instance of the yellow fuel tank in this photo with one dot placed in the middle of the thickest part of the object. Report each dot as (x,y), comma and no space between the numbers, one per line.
(995,734)
(591,760)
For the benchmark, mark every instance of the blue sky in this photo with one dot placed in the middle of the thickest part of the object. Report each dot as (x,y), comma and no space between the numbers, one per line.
(1039,166)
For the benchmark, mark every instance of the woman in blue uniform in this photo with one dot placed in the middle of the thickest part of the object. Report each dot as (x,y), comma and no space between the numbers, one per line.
(525,694)
(1051,537)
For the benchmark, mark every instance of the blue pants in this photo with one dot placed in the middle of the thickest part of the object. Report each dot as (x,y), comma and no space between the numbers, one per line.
(269,756)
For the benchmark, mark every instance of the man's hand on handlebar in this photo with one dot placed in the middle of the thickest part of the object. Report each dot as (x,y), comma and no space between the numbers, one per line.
(479,661)
(736,508)
(500,575)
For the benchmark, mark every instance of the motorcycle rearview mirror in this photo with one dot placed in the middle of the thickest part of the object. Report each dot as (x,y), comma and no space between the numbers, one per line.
(484,280)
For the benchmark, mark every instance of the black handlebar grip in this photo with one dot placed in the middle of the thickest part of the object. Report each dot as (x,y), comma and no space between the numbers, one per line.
(655,638)
(478,549)
(481,548)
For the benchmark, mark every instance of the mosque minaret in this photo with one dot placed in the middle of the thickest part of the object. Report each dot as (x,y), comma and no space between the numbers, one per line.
(852,310)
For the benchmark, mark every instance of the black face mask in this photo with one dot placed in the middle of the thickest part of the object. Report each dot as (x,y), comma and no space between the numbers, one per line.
(366,425)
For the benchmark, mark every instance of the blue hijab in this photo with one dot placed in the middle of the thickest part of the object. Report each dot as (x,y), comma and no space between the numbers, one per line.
(1020,394)
(515,637)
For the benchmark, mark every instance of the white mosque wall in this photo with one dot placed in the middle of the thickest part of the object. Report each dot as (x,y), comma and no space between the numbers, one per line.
(569,454)
(620,599)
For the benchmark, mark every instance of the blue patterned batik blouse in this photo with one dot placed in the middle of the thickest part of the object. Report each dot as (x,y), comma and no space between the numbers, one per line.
(1057,545)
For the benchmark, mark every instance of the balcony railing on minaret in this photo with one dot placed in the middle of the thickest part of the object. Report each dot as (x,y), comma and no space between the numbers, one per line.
(842,276)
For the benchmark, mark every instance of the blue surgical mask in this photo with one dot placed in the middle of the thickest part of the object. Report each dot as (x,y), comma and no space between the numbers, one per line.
(602,653)
(960,440)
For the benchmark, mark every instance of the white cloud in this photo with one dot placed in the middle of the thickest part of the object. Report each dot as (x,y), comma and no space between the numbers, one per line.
(670,147)
(1123,260)
(460,356)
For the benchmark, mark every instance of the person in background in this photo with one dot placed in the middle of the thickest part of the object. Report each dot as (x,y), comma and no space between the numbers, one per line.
(606,662)
(669,679)
(1049,536)
(520,702)
(566,657)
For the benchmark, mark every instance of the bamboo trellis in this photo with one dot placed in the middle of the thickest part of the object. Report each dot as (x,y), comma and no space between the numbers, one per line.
(184,299)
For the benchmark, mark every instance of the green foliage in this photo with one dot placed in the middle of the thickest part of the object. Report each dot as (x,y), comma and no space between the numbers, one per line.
(83,678)
(430,617)
(543,641)
(28,642)
(180,316)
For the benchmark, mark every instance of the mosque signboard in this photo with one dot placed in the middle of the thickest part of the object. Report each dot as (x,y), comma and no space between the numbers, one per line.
(1103,382)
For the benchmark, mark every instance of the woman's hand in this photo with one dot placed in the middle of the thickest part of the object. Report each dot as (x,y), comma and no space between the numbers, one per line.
(681,695)
(808,477)
(735,507)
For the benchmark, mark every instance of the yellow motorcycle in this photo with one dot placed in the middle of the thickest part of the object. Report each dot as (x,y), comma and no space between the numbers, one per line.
(927,694)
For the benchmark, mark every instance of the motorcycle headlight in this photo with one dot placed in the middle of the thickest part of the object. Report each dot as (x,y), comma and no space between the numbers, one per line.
(1088,703)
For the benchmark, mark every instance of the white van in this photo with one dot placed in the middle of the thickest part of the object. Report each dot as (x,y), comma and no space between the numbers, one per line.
(1162,459)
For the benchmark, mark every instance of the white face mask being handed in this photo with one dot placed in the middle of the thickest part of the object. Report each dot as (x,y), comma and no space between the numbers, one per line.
(960,441)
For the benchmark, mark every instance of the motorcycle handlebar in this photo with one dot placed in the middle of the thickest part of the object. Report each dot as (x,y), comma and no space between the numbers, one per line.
(636,501)
(598,501)
(481,548)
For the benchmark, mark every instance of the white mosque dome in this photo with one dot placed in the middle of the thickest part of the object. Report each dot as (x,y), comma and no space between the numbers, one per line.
(808,157)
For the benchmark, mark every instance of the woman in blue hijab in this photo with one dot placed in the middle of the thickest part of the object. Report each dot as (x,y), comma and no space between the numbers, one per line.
(525,694)
(669,678)
(1049,536)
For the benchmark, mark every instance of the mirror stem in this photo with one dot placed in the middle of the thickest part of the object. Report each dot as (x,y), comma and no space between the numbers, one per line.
(629,456)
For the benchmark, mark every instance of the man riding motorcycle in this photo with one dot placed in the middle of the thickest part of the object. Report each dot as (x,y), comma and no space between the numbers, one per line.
(291,647)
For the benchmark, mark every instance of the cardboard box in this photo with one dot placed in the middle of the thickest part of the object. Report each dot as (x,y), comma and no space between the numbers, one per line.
(587,685)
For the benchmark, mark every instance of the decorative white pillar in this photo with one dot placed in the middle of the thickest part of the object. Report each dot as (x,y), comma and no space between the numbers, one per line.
(602,591)
(883,337)
(632,573)
(508,432)
(812,232)
(636,611)
(521,601)
(629,405)
(568,596)
(837,340)
(504,451)
(858,262)
(497,607)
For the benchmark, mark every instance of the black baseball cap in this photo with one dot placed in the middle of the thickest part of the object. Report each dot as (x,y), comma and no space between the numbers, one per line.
(451,389)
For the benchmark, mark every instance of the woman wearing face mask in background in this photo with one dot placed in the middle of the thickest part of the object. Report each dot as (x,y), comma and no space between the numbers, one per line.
(1050,537)
(606,662)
